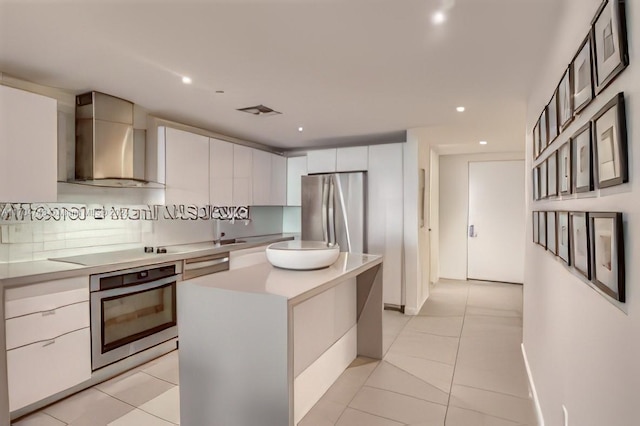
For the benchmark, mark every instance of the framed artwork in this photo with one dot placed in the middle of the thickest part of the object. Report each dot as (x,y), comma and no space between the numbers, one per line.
(609,33)
(610,132)
(552,117)
(535,224)
(551,233)
(563,236)
(536,184)
(607,254)
(536,140)
(565,100)
(552,175)
(543,180)
(582,72)
(544,130)
(564,169)
(542,228)
(582,159)
(579,226)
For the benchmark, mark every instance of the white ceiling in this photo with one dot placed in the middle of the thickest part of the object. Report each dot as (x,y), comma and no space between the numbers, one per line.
(348,71)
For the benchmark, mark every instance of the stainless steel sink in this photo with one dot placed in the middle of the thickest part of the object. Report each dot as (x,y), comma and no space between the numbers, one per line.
(231,241)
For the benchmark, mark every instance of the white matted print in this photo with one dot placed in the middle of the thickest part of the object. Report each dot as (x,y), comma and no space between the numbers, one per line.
(582,72)
(580,243)
(542,228)
(544,133)
(543,180)
(552,173)
(563,236)
(564,168)
(552,116)
(565,100)
(535,224)
(611,143)
(610,42)
(551,232)
(581,164)
(608,253)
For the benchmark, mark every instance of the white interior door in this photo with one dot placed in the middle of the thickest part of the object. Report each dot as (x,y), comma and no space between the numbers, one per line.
(495,232)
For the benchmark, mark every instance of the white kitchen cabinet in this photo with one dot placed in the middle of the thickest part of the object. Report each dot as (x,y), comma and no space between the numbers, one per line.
(385,207)
(352,159)
(220,173)
(296,168)
(261,178)
(48,339)
(242,175)
(321,161)
(187,168)
(278,180)
(28,146)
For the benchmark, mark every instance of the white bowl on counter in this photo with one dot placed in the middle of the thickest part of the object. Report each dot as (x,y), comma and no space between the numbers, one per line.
(302,255)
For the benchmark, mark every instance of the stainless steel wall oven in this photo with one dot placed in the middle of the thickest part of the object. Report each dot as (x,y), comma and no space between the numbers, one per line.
(132,310)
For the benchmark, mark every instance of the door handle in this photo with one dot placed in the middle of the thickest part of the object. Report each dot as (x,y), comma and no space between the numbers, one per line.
(472,231)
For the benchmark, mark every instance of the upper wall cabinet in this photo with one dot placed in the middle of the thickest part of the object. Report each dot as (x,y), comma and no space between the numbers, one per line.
(242,175)
(261,178)
(296,168)
(187,168)
(28,147)
(352,159)
(278,180)
(220,173)
(321,161)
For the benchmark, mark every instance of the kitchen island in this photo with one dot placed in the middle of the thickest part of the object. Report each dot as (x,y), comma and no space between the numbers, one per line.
(260,345)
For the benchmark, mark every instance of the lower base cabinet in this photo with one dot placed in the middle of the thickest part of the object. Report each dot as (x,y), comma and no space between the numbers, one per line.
(42,369)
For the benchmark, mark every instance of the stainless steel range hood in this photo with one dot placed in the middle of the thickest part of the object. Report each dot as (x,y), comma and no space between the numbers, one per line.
(108,150)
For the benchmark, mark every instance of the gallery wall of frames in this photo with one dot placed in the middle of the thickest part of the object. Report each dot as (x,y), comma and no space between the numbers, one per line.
(594,157)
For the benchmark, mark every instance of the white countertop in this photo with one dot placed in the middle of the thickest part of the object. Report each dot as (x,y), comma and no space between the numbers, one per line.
(264,278)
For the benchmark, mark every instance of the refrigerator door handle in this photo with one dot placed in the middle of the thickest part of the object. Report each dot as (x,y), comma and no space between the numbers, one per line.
(325,208)
(332,214)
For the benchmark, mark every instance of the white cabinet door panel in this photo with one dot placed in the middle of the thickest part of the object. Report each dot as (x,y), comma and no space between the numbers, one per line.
(296,168)
(42,369)
(242,175)
(221,173)
(278,180)
(187,168)
(352,159)
(45,296)
(261,178)
(321,161)
(28,146)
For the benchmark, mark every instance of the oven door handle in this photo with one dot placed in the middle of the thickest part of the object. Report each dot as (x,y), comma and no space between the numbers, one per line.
(119,291)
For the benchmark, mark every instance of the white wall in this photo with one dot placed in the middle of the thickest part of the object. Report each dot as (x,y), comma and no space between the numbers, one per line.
(583,350)
(454,209)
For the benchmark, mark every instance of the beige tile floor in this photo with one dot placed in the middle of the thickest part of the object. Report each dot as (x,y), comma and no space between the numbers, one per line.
(457,363)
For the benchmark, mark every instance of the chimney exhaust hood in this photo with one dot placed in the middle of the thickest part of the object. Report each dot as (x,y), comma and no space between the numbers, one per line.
(108,150)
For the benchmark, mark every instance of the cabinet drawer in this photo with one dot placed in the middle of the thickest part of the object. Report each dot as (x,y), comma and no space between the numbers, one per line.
(46,325)
(45,296)
(42,369)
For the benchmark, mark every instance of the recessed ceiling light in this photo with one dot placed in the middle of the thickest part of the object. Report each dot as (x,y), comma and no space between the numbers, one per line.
(483,142)
(300,128)
(186,80)
(438,18)
(460,109)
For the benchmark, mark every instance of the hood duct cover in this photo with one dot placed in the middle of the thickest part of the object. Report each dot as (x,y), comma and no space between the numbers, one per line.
(106,149)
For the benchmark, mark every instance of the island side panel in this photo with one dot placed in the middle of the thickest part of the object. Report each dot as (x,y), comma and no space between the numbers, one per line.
(370,307)
(233,357)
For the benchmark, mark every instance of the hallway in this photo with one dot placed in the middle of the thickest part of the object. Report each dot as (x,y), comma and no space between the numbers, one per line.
(458,363)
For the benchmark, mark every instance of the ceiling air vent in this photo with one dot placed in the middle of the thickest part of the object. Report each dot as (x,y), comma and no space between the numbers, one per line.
(259,110)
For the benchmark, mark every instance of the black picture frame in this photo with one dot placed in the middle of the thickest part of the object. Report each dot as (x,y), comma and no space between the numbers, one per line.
(582,159)
(552,234)
(535,224)
(542,229)
(544,130)
(536,140)
(565,100)
(552,118)
(544,189)
(608,28)
(552,175)
(579,243)
(563,238)
(535,178)
(565,179)
(607,254)
(610,144)
(582,76)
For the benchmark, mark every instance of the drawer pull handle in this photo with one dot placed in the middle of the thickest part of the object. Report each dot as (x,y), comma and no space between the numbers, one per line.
(47,313)
(49,343)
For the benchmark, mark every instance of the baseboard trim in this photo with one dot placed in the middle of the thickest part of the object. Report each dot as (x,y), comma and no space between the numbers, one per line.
(532,385)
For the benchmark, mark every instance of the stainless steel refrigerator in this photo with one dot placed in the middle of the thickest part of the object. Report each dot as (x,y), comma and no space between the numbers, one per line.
(334,210)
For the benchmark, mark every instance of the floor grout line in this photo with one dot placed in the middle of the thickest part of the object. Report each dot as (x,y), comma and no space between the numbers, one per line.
(493,391)
(375,415)
(159,378)
(402,394)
